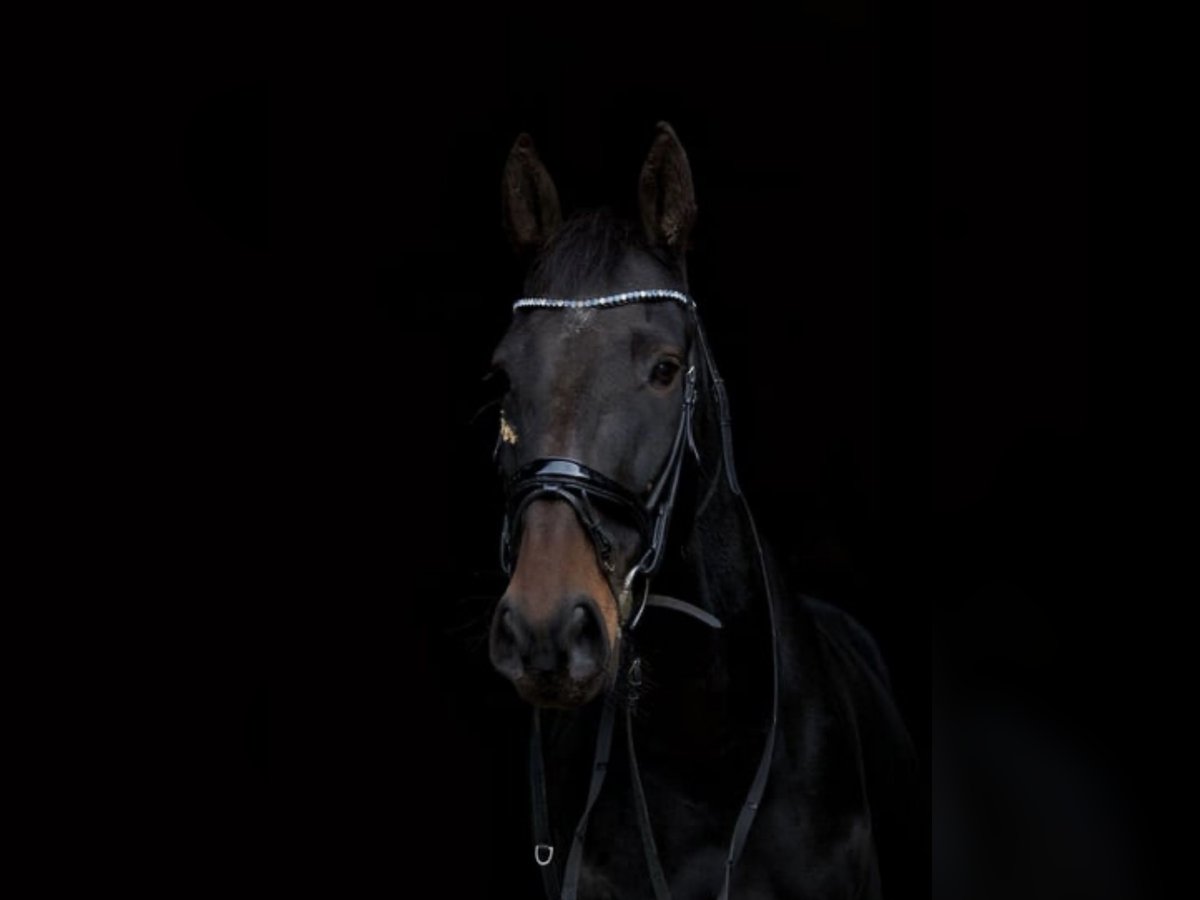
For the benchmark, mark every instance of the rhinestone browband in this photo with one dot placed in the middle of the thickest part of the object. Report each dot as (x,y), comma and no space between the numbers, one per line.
(602,302)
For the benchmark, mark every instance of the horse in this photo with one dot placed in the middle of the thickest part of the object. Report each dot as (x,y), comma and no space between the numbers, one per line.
(694,731)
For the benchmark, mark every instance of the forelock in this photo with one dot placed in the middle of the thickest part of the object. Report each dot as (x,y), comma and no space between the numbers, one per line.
(585,251)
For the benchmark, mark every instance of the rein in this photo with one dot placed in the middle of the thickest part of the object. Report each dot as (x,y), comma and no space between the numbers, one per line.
(575,483)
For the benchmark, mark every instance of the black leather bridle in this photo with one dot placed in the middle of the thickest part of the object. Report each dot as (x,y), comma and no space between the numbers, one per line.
(579,485)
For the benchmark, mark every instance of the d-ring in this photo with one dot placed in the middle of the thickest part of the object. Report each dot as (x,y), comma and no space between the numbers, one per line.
(538,850)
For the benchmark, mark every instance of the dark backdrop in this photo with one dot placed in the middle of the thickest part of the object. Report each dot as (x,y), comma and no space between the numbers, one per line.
(906,356)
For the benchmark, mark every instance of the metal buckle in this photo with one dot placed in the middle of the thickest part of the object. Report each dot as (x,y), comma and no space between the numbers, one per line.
(537,854)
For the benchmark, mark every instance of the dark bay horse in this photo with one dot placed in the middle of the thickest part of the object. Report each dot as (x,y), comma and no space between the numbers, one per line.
(696,732)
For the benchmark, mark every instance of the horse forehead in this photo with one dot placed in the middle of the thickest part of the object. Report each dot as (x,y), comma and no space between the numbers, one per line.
(577,338)
(576,321)
(571,332)
(578,360)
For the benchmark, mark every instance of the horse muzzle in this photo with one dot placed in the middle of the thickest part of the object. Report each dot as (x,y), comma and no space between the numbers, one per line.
(561,660)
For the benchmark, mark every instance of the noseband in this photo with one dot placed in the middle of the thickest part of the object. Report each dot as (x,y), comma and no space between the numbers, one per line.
(577,484)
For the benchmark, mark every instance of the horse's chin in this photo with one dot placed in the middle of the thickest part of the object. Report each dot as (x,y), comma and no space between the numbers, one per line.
(559,692)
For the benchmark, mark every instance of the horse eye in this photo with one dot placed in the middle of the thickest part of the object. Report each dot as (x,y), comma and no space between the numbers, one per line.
(664,372)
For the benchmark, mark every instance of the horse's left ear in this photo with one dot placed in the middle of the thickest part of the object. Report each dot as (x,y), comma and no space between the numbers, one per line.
(665,193)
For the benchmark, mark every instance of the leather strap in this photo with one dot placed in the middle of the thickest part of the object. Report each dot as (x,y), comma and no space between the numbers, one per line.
(745,819)
(662,601)
(658,880)
(741,829)
(543,839)
(570,890)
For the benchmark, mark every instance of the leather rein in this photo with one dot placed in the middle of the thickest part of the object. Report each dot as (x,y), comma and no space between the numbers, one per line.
(575,483)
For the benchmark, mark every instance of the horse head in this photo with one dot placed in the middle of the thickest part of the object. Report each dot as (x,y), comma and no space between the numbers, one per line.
(597,394)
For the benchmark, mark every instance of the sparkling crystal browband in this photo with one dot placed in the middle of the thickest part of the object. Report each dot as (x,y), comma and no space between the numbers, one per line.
(601,302)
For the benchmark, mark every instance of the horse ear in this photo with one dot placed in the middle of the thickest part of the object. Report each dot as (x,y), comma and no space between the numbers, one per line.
(530,200)
(665,193)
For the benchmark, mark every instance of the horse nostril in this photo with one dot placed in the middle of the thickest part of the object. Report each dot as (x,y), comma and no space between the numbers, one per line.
(508,641)
(584,642)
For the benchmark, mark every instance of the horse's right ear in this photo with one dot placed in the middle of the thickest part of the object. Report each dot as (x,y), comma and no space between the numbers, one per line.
(530,200)
(665,192)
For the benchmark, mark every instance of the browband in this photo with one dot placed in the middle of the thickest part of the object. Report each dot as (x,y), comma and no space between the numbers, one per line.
(606,301)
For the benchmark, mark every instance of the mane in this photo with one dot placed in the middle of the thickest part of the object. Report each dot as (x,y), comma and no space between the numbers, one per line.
(586,249)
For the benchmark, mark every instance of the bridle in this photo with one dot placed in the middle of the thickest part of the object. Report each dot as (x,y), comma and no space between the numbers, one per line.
(579,485)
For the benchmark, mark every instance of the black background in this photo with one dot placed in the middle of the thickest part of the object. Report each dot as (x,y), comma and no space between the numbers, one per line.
(890,258)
